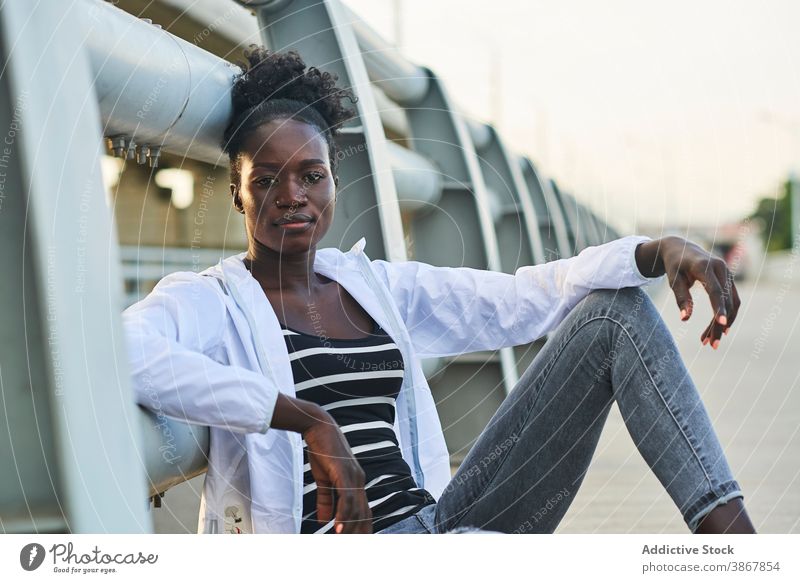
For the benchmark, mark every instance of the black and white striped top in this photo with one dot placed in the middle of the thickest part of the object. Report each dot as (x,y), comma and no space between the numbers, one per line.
(357,382)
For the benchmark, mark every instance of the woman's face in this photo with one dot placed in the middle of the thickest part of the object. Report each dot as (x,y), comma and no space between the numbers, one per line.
(287,190)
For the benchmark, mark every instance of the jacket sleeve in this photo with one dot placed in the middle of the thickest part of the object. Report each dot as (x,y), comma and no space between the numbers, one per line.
(170,336)
(451,311)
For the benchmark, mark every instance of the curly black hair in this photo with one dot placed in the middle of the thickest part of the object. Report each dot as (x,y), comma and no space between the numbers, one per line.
(276,85)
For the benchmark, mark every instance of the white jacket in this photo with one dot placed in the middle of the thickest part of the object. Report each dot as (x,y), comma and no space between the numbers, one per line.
(209,346)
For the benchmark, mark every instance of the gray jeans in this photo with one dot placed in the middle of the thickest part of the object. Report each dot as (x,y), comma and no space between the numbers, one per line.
(528,463)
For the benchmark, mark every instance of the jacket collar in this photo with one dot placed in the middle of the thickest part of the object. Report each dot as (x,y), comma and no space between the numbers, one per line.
(342,267)
(329,260)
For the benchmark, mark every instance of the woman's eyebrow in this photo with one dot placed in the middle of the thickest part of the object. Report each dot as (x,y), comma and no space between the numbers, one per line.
(307,162)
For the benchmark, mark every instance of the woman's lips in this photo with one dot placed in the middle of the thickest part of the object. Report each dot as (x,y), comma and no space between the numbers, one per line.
(296,225)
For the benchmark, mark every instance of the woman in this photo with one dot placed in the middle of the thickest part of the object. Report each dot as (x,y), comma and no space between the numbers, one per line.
(305,363)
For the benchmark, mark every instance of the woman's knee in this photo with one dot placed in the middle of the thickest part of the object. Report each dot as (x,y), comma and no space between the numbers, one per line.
(630,304)
(604,323)
(623,314)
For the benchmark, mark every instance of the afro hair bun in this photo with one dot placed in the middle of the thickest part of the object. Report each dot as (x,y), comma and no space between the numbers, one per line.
(271,75)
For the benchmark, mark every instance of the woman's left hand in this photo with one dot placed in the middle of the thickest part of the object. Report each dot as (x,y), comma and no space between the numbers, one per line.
(685,263)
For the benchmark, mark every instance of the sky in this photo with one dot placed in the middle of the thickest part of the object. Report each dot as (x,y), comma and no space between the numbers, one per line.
(656,112)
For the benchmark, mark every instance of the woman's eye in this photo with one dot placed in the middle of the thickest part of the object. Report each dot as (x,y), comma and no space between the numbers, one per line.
(314,177)
(266,181)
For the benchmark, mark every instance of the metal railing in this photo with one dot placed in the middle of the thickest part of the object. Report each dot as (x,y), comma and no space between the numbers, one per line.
(449,192)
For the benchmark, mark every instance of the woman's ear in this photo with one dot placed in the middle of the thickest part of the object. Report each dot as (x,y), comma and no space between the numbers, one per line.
(237,199)
(336,180)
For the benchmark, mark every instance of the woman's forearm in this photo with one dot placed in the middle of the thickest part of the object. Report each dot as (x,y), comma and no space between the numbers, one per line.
(297,415)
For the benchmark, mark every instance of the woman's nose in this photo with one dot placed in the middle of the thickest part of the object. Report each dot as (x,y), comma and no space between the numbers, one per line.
(293,195)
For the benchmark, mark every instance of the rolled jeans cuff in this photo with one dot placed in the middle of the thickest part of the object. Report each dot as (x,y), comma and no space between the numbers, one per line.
(726,492)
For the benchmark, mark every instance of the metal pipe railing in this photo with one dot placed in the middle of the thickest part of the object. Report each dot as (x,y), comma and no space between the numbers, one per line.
(417,181)
(173,451)
(155,91)
(403,82)
(480,133)
(176,96)
(393,117)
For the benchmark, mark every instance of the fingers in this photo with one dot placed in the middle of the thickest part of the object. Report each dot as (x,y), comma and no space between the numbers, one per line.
(353,514)
(325,504)
(344,514)
(707,336)
(717,279)
(365,525)
(731,295)
(712,334)
(340,494)
(710,278)
(725,277)
(725,301)
(716,296)
(680,287)
(350,504)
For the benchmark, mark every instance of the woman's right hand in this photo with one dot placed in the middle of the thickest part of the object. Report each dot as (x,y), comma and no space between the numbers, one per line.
(336,469)
(333,465)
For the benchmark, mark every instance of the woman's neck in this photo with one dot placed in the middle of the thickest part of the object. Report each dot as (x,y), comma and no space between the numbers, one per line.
(282,271)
